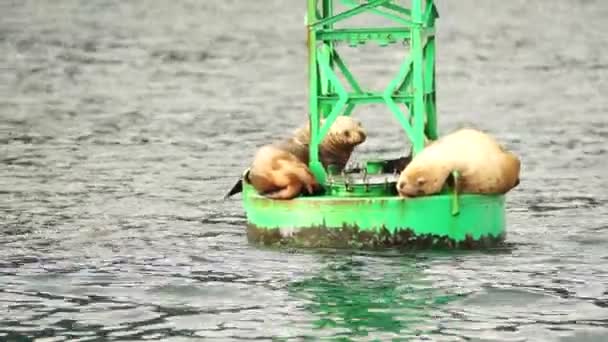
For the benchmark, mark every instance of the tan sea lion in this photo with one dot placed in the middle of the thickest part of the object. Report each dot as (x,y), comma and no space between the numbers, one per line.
(278,169)
(278,174)
(484,166)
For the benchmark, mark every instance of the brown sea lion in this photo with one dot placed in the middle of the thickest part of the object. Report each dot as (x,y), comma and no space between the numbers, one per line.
(281,161)
(484,166)
(337,146)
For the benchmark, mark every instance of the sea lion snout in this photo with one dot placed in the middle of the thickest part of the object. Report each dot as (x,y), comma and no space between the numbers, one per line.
(401,185)
(353,136)
(362,136)
(403,189)
(358,136)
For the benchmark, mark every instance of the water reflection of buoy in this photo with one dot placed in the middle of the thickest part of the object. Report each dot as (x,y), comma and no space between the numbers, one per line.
(351,299)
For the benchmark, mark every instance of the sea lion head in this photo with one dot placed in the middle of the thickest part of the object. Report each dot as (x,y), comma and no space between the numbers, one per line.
(421,180)
(343,136)
(345,131)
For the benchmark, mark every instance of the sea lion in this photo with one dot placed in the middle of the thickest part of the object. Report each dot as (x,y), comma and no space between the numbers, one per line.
(278,174)
(336,148)
(484,166)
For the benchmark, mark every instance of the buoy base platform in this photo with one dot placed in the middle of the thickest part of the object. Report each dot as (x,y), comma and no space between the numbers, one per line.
(376,222)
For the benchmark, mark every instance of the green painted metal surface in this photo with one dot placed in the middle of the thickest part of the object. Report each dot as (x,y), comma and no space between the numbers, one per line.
(480,217)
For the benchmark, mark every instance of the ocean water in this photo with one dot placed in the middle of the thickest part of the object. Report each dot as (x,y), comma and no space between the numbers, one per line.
(122,125)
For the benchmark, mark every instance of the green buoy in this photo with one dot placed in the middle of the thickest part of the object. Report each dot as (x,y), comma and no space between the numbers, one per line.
(360,207)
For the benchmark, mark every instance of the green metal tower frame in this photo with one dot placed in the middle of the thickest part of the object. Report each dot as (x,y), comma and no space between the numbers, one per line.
(414,85)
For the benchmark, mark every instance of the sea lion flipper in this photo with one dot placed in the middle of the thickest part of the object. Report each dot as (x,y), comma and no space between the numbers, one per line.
(396,165)
(291,191)
(236,188)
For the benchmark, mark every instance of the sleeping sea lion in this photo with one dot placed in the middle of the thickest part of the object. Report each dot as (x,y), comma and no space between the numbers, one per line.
(484,166)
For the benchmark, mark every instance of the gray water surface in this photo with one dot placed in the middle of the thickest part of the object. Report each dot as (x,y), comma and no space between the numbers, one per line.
(122,124)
